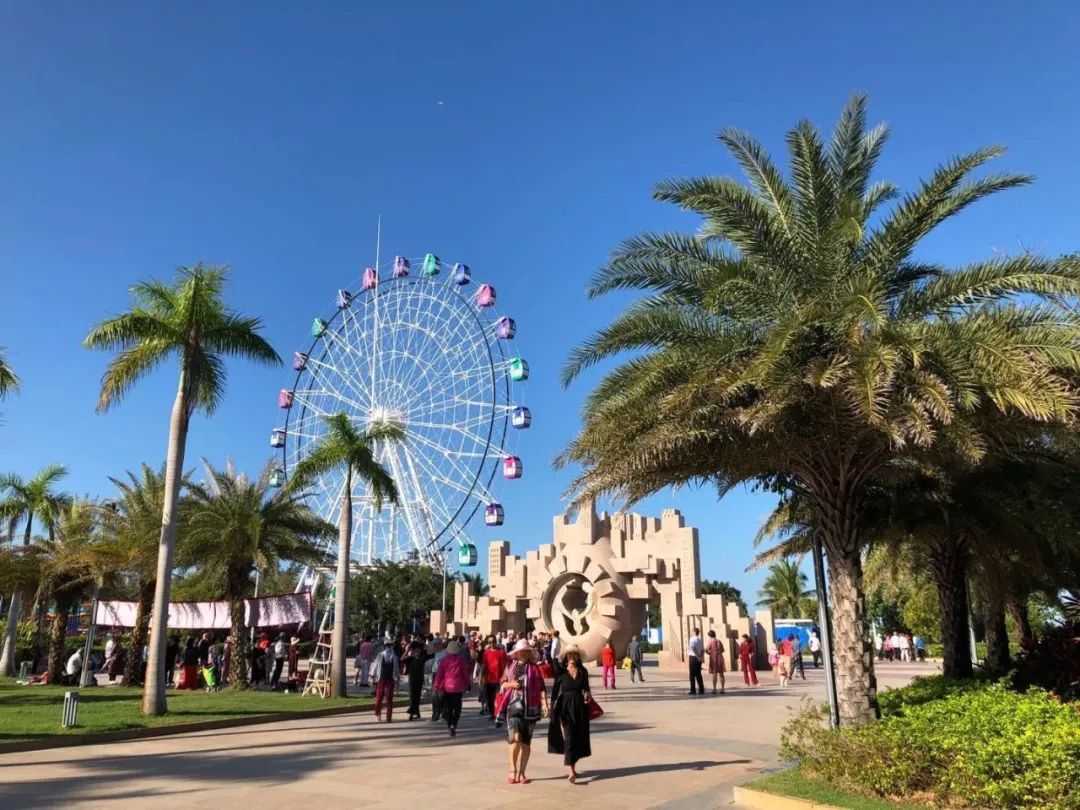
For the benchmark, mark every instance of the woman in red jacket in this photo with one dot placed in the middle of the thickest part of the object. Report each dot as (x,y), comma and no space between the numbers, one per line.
(452,681)
(607,661)
(746,660)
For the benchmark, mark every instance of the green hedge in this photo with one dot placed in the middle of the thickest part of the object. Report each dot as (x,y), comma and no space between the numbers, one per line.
(975,744)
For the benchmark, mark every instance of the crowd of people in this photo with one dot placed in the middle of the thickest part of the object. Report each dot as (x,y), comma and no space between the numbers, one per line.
(518,679)
(897,646)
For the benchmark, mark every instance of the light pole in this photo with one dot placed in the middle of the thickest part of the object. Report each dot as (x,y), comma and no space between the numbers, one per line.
(251,638)
(823,628)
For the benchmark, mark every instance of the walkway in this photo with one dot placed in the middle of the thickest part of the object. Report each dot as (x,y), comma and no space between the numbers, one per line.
(656,747)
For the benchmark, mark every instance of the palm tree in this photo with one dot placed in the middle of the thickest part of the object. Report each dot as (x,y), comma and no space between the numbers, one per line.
(784,591)
(345,446)
(187,319)
(133,528)
(23,502)
(9,382)
(71,560)
(477,586)
(793,342)
(235,524)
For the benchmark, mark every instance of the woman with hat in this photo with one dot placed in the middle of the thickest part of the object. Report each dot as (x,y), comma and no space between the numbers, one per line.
(451,682)
(568,731)
(525,699)
(294,657)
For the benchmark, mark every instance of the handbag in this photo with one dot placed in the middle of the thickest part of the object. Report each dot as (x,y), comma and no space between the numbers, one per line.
(593,709)
(627,663)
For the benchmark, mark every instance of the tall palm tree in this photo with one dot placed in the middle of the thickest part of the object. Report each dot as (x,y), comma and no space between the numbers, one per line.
(9,382)
(133,528)
(795,342)
(784,591)
(234,524)
(345,446)
(189,320)
(23,502)
(71,560)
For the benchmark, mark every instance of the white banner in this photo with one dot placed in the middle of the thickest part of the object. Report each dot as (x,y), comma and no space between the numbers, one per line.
(265,611)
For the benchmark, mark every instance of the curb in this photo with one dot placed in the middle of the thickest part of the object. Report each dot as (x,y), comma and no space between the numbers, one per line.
(758,800)
(69,740)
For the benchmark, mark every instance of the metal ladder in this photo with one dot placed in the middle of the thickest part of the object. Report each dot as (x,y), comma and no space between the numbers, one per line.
(318,677)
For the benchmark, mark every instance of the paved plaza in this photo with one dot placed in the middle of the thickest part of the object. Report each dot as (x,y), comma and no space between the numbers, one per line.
(656,747)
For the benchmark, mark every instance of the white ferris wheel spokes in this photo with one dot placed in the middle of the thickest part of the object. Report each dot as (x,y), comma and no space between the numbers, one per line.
(424,352)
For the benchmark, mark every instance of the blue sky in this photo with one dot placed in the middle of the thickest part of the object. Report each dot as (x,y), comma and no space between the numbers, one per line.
(138,136)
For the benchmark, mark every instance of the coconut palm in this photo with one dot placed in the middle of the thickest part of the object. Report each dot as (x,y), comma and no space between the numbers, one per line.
(346,447)
(9,382)
(23,502)
(133,528)
(71,560)
(784,591)
(794,342)
(189,320)
(234,524)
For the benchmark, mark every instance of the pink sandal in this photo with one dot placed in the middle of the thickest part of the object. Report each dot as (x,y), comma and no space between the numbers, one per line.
(522,780)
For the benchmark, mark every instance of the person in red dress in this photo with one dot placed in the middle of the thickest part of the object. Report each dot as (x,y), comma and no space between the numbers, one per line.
(746,660)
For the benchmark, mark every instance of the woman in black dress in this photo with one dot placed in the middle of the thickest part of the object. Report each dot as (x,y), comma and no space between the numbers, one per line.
(568,731)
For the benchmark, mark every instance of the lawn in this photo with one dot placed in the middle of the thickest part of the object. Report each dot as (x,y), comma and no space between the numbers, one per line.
(793,782)
(32,712)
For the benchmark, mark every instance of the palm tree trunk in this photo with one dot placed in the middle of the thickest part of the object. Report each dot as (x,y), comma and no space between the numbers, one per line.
(11,636)
(138,634)
(1019,609)
(58,641)
(154,691)
(949,569)
(241,650)
(853,652)
(341,596)
(998,660)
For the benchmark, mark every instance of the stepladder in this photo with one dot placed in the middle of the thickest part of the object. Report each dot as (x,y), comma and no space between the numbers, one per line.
(318,677)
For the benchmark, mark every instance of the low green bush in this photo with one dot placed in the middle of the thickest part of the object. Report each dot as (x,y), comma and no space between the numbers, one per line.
(979,745)
(923,690)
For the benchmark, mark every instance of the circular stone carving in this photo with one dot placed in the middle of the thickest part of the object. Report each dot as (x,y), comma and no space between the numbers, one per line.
(572,605)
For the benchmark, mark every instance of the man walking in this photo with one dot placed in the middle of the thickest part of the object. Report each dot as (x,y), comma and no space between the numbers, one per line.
(436,698)
(815,649)
(634,653)
(556,645)
(796,657)
(279,660)
(695,654)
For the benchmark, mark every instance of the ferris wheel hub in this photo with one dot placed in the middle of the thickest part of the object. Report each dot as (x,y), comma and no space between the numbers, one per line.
(380,416)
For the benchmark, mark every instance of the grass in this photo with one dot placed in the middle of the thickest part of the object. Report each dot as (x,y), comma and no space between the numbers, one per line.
(795,783)
(30,712)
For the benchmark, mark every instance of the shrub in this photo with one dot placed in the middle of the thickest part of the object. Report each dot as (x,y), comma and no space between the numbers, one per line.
(923,690)
(981,745)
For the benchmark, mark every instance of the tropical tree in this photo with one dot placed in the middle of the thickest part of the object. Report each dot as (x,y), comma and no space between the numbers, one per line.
(71,560)
(9,382)
(477,586)
(389,595)
(794,342)
(235,524)
(784,591)
(345,447)
(187,319)
(133,529)
(723,588)
(23,502)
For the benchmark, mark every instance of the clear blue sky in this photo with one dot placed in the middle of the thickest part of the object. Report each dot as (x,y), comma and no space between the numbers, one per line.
(140,136)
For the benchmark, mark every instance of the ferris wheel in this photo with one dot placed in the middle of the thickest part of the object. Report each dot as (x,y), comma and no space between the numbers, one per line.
(424,349)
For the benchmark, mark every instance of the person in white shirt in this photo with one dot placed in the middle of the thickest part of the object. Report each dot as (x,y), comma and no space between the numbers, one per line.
(896,644)
(695,655)
(815,649)
(74,664)
(110,645)
(279,660)
(556,646)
